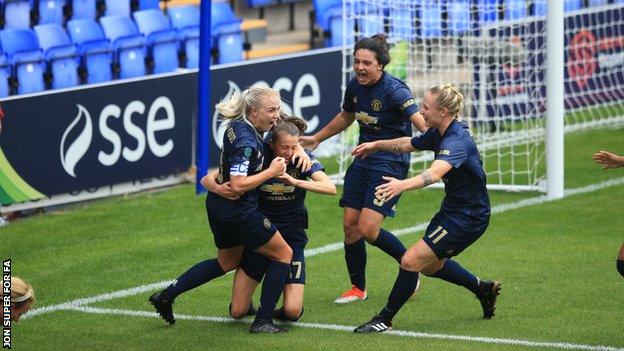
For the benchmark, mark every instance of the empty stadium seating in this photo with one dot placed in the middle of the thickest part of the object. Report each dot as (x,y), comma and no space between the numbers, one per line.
(226,35)
(185,19)
(128,46)
(117,8)
(83,9)
(52,11)
(94,49)
(17,13)
(25,57)
(160,38)
(60,54)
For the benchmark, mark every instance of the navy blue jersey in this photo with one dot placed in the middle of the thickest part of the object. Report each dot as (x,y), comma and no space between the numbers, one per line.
(382,111)
(466,197)
(284,204)
(241,155)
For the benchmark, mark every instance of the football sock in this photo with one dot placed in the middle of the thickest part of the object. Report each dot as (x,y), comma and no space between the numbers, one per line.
(403,288)
(452,272)
(197,275)
(272,288)
(390,244)
(355,256)
(620,267)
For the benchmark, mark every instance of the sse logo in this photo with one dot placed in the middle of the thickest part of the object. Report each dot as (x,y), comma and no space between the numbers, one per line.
(72,152)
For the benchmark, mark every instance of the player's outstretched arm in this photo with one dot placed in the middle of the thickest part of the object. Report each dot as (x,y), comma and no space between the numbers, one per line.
(243,183)
(338,124)
(394,186)
(398,145)
(418,121)
(209,182)
(319,183)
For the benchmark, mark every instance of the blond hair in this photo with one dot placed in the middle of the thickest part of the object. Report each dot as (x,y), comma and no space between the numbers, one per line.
(448,97)
(240,103)
(21,291)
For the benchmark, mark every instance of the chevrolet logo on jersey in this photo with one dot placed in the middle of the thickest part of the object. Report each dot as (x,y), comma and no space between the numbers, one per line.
(277,188)
(366,118)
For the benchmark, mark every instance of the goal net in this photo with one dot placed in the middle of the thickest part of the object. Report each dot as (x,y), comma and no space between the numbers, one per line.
(494,51)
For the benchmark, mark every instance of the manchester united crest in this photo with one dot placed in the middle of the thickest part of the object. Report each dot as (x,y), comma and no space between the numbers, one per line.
(376,105)
(267,223)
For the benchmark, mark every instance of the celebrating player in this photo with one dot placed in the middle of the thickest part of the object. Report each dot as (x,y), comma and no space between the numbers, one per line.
(384,107)
(282,201)
(465,210)
(238,224)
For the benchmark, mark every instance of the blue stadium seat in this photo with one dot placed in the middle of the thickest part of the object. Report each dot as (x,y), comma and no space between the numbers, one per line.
(261,3)
(572,5)
(598,2)
(336,26)
(430,19)
(322,9)
(160,37)
(25,57)
(84,9)
(540,8)
(370,19)
(5,74)
(185,19)
(402,22)
(51,11)
(117,8)
(60,54)
(458,16)
(93,48)
(226,34)
(487,11)
(149,4)
(515,9)
(128,45)
(17,13)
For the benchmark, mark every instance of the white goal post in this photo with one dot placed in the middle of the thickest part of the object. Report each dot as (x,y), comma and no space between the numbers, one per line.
(498,52)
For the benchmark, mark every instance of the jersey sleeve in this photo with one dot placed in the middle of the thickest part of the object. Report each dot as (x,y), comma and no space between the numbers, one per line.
(316,166)
(403,98)
(243,147)
(424,141)
(452,150)
(349,102)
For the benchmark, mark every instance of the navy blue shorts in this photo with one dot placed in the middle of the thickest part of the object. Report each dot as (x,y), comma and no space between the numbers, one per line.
(255,265)
(447,239)
(360,184)
(251,233)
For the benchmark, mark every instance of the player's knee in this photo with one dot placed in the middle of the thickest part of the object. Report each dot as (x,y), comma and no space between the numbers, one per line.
(285,254)
(227,264)
(369,232)
(620,267)
(351,231)
(293,313)
(411,263)
(238,312)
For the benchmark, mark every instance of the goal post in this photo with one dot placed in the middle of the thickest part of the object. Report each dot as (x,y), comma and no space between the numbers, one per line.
(530,71)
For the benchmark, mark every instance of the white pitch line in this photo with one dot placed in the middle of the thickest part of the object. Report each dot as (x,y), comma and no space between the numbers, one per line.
(349,328)
(320,250)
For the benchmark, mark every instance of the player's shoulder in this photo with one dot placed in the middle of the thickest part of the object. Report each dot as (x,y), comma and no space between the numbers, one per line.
(239,131)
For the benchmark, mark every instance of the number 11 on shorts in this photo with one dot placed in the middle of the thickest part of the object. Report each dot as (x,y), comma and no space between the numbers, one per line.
(439,233)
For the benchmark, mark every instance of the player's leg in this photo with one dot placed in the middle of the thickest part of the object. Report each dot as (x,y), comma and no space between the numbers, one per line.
(355,258)
(620,261)
(447,240)
(415,258)
(369,225)
(352,200)
(248,275)
(294,288)
(280,254)
(201,273)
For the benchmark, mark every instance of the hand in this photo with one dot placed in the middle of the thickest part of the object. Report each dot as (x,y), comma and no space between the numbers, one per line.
(387,191)
(287,179)
(363,150)
(608,160)
(278,166)
(309,142)
(223,190)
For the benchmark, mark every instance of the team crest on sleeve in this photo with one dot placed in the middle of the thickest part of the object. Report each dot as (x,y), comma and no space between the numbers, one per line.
(247,152)
(376,105)
(267,223)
